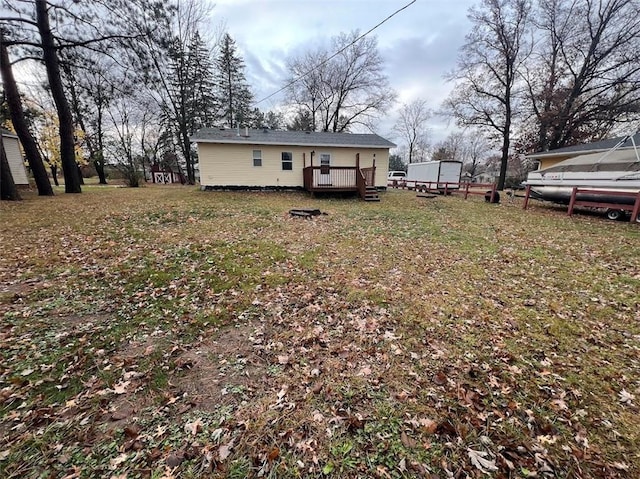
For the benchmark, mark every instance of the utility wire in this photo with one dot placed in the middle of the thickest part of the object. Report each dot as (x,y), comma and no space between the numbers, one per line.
(300,77)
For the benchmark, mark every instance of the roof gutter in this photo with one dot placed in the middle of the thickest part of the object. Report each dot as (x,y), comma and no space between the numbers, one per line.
(247,142)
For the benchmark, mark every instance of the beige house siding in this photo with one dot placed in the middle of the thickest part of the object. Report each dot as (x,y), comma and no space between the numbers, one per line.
(16,164)
(232,165)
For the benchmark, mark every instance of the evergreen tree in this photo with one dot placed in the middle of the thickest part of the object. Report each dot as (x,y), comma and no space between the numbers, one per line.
(234,95)
(192,103)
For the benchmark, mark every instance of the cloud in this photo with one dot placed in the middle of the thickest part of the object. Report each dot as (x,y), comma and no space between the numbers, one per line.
(419,45)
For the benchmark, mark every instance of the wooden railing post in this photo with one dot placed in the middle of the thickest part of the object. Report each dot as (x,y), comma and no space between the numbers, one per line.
(466,190)
(526,197)
(373,174)
(572,202)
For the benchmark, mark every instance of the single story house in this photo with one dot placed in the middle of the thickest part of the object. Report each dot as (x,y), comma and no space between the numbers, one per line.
(314,161)
(14,156)
(547,159)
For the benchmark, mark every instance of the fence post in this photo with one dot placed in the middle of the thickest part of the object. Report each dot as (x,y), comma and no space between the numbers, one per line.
(493,192)
(466,191)
(636,209)
(572,202)
(526,197)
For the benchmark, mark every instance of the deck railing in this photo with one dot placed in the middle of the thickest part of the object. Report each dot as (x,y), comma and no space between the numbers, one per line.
(318,178)
(338,179)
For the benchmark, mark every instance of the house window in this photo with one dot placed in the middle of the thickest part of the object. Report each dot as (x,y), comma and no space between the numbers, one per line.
(257,157)
(287,160)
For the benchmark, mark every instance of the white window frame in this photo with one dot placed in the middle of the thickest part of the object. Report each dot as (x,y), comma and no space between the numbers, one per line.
(290,160)
(257,157)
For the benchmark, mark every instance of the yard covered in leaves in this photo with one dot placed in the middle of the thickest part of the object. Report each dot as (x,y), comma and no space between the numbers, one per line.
(168,332)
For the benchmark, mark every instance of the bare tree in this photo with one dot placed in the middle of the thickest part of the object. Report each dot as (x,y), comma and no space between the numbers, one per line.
(584,76)
(411,127)
(474,152)
(44,28)
(20,123)
(451,148)
(342,89)
(487,70)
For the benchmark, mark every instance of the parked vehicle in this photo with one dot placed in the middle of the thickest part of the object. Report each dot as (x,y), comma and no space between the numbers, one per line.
(434,175)
(396,178)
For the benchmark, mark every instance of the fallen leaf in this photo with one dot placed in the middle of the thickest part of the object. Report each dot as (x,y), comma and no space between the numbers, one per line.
(121,388)
(428,425)
(273,454)
(175,459)
(283,359)
(225,450)
(116,461)
(194,427)
(440,378)
(478,459)
(407,441)
(626,397)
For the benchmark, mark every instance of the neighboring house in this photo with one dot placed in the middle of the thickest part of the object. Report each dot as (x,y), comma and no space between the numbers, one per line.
(314,161)
(14,155)
(485,177)
(547,159)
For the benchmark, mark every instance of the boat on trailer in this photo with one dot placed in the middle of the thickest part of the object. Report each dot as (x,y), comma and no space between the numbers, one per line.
(615,170)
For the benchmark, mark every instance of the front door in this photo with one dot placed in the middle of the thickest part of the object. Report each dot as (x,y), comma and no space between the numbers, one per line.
(325,170)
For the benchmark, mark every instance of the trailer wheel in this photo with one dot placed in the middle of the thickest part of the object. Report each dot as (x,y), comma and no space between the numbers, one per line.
(615,215)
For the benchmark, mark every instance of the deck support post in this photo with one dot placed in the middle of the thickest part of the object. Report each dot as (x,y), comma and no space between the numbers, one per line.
(526,197)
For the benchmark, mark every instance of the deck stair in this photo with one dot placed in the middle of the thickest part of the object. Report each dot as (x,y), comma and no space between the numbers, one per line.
(371,194)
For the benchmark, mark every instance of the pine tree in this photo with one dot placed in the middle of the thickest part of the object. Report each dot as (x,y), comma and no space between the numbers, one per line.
(192,103)
(234,95)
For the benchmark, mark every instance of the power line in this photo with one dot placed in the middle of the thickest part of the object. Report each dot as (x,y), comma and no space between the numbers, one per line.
(300,77)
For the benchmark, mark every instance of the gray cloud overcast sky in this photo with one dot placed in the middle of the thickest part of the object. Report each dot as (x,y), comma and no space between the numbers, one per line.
(419,45)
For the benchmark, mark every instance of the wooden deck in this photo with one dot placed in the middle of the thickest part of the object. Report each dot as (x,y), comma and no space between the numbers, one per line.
(340,179)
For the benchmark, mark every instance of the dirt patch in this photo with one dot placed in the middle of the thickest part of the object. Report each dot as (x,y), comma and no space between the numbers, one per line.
(16,292)
(221,371)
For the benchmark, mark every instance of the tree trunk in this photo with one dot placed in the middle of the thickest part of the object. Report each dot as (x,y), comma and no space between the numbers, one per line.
(98,163)
(54,174)
(80,174)
(65,118)
(186,147)
(20,123)
(8,190)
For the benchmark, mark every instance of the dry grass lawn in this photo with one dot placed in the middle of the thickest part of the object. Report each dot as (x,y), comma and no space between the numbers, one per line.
(168,332)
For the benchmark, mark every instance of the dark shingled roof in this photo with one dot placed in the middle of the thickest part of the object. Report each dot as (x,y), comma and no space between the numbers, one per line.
(291,138)
(594,147)
(7,133)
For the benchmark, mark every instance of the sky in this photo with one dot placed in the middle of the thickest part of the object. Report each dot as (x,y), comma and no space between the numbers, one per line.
(419,44)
